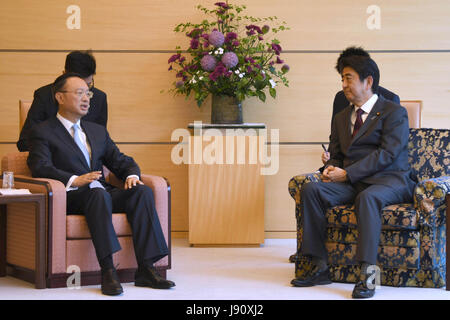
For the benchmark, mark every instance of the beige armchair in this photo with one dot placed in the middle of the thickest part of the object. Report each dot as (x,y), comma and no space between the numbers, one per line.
(68,238)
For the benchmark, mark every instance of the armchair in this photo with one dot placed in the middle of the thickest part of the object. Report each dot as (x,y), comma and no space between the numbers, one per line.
(412,249)
(68,238)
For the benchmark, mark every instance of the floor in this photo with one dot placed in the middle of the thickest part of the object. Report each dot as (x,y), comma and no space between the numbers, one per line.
(222,274)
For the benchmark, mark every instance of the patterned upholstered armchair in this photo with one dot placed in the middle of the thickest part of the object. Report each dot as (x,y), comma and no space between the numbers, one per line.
(412,243)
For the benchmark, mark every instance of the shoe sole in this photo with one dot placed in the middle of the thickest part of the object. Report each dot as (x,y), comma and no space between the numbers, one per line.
(146,284)
(112,293)
(311,284)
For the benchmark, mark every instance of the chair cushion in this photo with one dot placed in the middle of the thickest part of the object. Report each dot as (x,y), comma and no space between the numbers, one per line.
(397,216)
(77,227)
(388,256)
(400,238)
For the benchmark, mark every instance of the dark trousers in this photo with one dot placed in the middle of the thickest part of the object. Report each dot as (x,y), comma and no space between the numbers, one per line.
(97,205)
(369,200)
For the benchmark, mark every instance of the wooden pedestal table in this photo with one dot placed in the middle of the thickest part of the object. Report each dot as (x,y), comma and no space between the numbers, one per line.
(226,188)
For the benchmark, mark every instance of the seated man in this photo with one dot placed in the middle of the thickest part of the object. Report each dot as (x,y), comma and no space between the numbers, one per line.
(368,166)
(44,105)
(74,152)
(340,101)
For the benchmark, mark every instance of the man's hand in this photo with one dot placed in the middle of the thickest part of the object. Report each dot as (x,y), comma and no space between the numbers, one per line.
(334,174)
(131,182)
(86,178)
(325,157)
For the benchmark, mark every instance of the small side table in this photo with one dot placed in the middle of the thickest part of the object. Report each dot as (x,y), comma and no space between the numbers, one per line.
(39,200)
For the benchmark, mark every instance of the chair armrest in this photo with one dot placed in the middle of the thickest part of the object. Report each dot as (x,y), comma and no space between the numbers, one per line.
(429,200)
(56,218)
(296,183)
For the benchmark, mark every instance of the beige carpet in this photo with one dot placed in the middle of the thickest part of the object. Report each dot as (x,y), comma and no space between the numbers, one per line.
(222,274)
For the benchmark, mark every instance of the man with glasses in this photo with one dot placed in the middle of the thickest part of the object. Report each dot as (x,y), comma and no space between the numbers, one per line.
(45,106)
(74,152)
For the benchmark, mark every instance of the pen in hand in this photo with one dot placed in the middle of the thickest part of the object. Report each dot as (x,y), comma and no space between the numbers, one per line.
(324,148)
(325,155)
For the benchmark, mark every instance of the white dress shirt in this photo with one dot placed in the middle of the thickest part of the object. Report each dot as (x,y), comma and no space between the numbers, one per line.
(366,107)
(69,127)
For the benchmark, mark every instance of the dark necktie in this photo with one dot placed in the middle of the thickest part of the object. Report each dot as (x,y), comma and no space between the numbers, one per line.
(358,122)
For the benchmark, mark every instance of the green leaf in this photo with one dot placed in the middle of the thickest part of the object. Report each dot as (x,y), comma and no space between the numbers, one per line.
(273,92)
(261,96)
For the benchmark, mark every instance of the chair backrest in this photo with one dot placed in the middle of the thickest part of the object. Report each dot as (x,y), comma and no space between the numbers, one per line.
(414,108)
(429,153)
(17,163)
(24,106)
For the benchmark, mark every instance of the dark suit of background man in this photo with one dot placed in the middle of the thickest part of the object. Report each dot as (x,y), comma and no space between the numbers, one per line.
(45,106)
(75,156)
(368,167)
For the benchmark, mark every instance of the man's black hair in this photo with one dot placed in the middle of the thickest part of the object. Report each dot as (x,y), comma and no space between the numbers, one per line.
(364,67)
(350,51)
(82,62)
(60,82)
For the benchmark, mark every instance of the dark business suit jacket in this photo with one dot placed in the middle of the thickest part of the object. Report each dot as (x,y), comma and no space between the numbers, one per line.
(44,106)
(340,101)
(55,155)
(378,154)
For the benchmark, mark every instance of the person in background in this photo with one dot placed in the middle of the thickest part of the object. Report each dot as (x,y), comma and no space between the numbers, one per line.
(45,106)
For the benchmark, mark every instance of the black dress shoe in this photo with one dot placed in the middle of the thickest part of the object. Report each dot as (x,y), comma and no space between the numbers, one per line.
(111,283)
(148,277)
(313,278)
(363,288)
(361,291)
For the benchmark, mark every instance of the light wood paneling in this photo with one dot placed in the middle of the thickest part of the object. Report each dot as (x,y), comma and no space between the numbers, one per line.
(139,112)
(148,25)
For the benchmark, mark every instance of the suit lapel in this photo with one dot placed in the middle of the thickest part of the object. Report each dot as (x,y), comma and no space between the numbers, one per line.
(347,127)
(371,119)
(67,139)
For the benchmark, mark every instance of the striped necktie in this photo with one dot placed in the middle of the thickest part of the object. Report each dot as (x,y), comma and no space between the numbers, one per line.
(358,122)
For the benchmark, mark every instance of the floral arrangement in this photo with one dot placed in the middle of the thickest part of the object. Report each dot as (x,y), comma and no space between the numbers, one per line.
(230,55)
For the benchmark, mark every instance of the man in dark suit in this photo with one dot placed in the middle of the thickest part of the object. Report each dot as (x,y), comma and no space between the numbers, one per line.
(44,105)
(368,167)
(340,102)
(74,152)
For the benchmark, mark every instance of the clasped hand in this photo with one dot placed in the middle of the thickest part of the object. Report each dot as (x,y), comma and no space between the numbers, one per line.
(95,175)
(334,174)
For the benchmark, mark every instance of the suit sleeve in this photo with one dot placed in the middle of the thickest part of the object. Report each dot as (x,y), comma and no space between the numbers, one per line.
(103,116)
(35,115)
(120,164)
(394,139)
(40,158)
(336,156)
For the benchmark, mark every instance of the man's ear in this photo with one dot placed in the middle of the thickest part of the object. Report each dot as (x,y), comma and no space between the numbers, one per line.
(59,97)
(369,83)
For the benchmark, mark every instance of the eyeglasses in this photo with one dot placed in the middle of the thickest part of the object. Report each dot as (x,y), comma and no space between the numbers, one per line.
(80,93)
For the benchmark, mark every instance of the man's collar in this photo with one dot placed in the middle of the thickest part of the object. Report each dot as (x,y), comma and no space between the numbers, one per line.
(367,107)
(67,123)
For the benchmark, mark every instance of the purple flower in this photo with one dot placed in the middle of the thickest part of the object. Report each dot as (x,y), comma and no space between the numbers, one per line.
(194,43)
(235,43)
(230,59)
(174,58)
(208,63)
(216,38)
(230,36)
(179,84)
(220,70)
(285,68)
(276,48)
(279,61)
(222,5)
